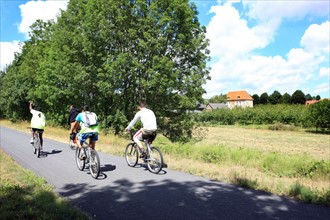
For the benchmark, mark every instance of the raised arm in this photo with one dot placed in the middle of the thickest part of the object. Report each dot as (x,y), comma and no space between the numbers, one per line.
(30,106)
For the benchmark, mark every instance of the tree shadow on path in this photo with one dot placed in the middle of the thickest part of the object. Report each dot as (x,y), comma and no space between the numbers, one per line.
(167,199)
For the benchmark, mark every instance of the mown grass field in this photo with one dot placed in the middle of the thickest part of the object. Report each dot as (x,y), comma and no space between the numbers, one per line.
(289,163)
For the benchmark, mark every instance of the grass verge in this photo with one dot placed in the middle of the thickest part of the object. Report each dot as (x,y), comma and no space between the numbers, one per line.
(23,195)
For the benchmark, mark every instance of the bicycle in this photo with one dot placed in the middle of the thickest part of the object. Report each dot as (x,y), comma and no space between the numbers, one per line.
(153,157)
(36,145)
(87,155)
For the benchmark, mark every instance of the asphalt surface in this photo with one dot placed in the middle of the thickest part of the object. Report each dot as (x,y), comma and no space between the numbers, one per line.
(123,192)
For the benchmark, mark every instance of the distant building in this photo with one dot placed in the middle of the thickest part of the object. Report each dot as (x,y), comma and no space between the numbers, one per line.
(213,106)
(239,99)
(311,102)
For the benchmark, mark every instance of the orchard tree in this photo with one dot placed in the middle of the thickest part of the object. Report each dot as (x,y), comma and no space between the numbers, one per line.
(320,114)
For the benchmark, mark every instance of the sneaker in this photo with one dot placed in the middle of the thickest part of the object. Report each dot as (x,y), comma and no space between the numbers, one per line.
(32,141)
(82,157)
(143,154)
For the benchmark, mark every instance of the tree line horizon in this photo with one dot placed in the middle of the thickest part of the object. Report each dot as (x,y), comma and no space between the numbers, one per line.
(297,97)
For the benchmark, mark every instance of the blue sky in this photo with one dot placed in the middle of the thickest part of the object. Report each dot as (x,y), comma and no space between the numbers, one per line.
(257,46)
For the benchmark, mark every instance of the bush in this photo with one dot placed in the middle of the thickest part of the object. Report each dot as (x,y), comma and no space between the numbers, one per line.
(320,115)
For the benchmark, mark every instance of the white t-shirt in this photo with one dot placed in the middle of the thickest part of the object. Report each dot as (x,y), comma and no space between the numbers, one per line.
(147,118)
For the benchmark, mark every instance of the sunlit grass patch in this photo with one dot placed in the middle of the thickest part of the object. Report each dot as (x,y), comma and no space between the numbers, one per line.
(23,195)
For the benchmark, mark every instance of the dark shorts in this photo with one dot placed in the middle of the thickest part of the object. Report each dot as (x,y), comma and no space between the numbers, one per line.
(38,130)
(82,137)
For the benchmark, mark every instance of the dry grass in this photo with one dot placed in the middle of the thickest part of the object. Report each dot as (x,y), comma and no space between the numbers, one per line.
(316,146)
(285,142)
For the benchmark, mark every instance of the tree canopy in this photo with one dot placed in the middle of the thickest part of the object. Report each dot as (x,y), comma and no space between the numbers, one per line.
(110,54)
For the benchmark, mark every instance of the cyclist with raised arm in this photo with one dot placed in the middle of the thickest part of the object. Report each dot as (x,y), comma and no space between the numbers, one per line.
(71,122)
(38,122)
(149,125)
(89,128)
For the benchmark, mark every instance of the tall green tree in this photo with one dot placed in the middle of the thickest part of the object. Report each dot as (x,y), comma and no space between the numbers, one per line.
(286,98)
(256,99)
(298,97)
(264,98)
(275,97)
(110,54)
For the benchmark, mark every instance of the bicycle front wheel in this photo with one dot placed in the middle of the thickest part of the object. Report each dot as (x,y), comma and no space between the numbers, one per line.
(80,161)
(34,149)
(94,164)
(155,160)
(131,154)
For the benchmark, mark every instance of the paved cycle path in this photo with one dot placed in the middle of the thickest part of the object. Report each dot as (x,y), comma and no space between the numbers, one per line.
(122,192)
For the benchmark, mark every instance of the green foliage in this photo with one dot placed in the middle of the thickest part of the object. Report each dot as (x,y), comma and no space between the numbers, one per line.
(294,115)
(218,99)
(264,98)
(26,196)
(285,99)
(320,114)
(110,54)
(306,194)
(298,97)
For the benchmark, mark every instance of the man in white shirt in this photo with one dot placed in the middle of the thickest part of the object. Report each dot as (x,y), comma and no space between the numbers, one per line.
(149,123)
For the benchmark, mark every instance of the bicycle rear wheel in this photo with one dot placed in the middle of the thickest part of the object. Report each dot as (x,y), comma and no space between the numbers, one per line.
(80,162)
(94,164)
(37,145)
(155,160)
(131,154)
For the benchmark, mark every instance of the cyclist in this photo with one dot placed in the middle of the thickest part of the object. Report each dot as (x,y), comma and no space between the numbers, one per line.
(71,121)
(149,125)
(89,128)
(38,122)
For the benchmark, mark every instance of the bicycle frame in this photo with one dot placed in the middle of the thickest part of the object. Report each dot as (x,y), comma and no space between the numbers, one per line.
(153,158)
(92,159)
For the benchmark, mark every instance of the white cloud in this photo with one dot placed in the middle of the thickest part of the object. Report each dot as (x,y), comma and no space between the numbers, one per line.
(7,50)
(322,88)
(34,10)
(324,72)
(269,9)
(230,35)
(316,38)
(235,43)
(30,12)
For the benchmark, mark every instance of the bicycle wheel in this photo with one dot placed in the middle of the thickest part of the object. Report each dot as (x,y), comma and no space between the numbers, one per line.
(80,163)
(37,145)
(34,149)
(94,164)
(131,154)
(155,160)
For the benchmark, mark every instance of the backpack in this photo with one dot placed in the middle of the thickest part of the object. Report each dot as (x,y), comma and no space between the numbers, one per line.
(90,119)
